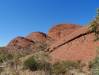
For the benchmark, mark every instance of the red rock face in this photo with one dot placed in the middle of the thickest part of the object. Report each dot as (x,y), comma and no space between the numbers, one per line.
(19,43)
(29,43)
(78,46)
(37,36)
(70,37)
(82,48)
(59,31)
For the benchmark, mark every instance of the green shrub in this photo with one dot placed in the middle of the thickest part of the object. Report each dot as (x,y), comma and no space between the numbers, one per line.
(31,64)
(95,26)
(38,61)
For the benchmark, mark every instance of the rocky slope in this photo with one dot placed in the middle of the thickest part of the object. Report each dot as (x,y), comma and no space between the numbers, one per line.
(30,43)
(64,42)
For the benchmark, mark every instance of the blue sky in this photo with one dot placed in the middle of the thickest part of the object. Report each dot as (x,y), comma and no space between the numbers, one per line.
(20,17)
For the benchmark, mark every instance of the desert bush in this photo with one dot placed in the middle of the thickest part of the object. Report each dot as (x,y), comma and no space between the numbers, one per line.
(64,66)
(4,56)
(39,61)
(31,64)
(44,59)
(42,56)
(95,28)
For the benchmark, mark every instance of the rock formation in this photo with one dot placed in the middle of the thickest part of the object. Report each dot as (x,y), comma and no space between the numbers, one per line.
(59,31)
(32,42)
(19,43)
(64,41)
(79,45)
(37,36)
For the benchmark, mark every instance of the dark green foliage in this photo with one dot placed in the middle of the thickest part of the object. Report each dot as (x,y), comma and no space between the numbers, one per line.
(95,26)
(31,64)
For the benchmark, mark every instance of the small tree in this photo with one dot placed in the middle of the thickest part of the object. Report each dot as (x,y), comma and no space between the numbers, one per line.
(95,25)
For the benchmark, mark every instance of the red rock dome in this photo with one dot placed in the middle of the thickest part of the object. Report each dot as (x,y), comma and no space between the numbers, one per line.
(19,43)
(37,36)
(62,30)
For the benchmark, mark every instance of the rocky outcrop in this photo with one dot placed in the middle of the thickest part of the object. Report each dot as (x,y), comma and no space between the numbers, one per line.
(37,36)
(40,37)
(74,35)
(64,42)
(79,46)
(30,43)
(60,31)
(20,43)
